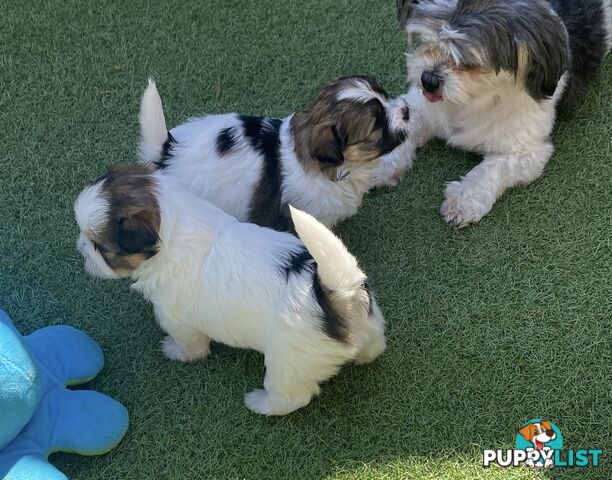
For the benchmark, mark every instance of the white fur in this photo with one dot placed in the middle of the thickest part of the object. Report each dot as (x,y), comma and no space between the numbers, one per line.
(490,114)
(152,124)
(608,15)
(91,211)
(91,208)
(215,278)
(229,180)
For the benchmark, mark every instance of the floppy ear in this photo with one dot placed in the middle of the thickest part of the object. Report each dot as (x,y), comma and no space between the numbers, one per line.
(546,57)
(326,145)
(528,431)
(404,9)
(546,425)
(137,233)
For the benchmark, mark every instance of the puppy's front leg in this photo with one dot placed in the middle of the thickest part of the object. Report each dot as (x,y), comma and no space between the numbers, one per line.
(183,343)
(186,348)
(470,199)
(393,166)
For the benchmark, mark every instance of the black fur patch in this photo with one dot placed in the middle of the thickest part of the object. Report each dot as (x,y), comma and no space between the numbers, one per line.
(297,262)
(264,136)
(226,140)
(300,261)
(333,324)
(403,10)
(586,25)
(166,155)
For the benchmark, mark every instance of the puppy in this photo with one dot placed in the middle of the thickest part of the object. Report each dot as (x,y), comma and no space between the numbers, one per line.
(303,302)
(319,159)
(489,76)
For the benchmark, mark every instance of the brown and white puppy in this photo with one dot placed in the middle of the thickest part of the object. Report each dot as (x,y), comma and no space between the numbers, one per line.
(319,159)
(120,220)
(303,302)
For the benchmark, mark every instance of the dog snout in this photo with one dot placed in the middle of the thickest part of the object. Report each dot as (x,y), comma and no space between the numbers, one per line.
(431,81)
(551,434)
(406,113)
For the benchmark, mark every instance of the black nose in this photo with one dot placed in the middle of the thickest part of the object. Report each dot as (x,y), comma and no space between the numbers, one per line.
(431,82)
(550,433)
(406,114)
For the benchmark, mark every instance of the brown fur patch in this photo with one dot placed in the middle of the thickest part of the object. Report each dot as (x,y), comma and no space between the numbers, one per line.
(130,235)
(330,133)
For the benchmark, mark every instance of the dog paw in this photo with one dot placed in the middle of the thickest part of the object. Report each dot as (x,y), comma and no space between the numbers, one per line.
(258,401)
(264,403)
(387,176)
(463,206)
(371,351)
(393,167)
(172,350)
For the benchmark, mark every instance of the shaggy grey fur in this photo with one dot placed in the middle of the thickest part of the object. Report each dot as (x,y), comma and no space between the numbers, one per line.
(558,36)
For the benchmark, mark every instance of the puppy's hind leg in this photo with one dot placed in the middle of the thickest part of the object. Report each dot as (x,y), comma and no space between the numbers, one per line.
(373,343)
(290,383)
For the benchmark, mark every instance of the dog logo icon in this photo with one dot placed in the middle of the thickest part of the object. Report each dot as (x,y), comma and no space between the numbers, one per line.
(541,435)
(539,444)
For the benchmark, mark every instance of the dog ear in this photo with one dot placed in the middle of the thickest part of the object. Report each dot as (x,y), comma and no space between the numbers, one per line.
(546,57)
(326,145)
(404,10)
(528,431)
(137,233)
(546,425)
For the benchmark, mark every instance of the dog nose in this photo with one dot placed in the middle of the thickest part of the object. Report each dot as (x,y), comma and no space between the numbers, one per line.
(430,81)
(550,433)
(406,113)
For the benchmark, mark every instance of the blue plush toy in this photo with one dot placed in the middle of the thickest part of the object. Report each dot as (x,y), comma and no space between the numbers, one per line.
(38,415)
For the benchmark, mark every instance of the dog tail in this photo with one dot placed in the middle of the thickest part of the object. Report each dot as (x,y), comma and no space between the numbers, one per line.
(153,132)
(348,304)
(337,268)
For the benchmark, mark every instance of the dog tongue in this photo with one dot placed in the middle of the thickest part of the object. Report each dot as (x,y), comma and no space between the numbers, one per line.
(539,445)
(431,97)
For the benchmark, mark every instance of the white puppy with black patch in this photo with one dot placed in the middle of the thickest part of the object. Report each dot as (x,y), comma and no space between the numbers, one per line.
(319,159)
(303,302)
(489,76)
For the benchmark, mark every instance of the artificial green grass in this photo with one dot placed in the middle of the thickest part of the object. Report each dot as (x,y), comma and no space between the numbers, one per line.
(488,327)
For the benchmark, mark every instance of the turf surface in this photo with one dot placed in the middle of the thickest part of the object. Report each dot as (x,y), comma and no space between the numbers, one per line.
(488,327)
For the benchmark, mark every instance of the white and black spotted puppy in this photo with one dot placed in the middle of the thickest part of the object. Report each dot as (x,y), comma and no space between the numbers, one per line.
(319,159)
(490,76)
(303,302)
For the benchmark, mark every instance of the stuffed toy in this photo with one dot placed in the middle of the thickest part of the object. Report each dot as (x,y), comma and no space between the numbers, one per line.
(38,414)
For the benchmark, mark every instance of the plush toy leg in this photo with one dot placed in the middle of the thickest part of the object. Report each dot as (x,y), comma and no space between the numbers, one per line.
(86,422)
(66,353)
(81,421)
(33,467)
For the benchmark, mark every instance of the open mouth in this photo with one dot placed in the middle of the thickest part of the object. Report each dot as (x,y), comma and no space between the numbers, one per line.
(432,97)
